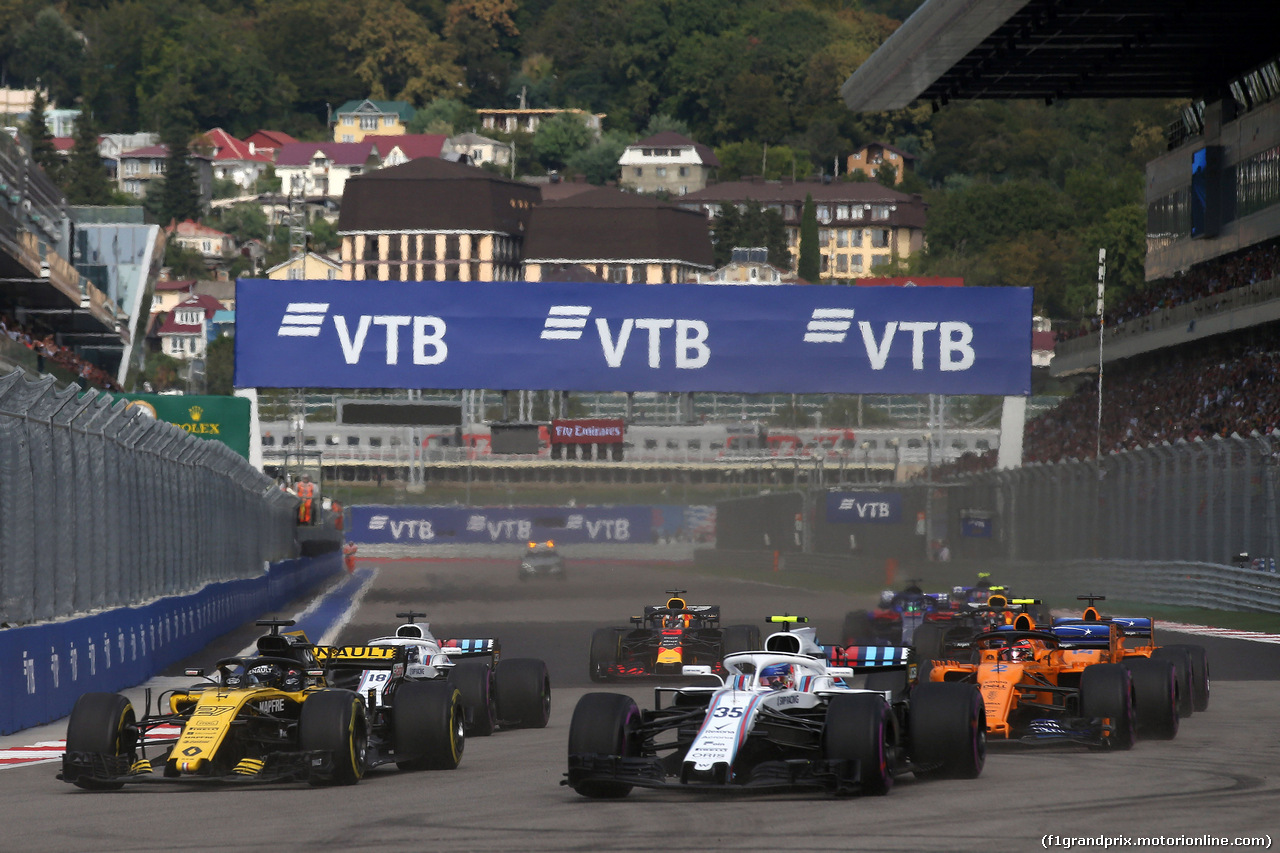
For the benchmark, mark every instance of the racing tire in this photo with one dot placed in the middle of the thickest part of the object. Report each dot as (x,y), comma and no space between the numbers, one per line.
(430,725)
(929,645)
(1199,675)
(605,724)
(522,689)
(948,731)
(859,728)
(475,681)
(1106,691)
(604,653)
(1181,660)
(103,724)
(335,721)
(740,638)
(857,630)
(1155,697)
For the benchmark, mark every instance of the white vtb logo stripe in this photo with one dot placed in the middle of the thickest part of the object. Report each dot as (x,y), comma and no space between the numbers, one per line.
(829,325)
(565,322)
(303,319)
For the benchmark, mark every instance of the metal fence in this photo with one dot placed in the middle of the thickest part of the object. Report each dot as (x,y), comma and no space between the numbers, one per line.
(103,506)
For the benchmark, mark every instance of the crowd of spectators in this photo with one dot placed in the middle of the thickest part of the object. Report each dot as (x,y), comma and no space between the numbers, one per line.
(1255,264)
(47,348)
(1233,387)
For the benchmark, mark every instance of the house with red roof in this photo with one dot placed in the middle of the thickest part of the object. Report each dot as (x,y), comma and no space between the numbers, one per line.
(141,167)
(216,246)
(268,141)
(398,150)
(233,159)
(185,331)
(321,169)
(169,293)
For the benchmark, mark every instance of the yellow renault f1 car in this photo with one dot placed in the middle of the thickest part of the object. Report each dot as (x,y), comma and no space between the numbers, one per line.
(268,717)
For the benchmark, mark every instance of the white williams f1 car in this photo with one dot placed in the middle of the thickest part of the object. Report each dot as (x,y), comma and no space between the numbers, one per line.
(782,718)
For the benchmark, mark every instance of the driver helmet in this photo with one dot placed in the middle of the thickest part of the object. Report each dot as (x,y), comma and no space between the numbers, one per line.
(1020,651)
(777,676)
(675,620)
(293,681)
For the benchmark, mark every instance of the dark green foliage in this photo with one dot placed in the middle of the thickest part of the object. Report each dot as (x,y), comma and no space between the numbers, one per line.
(324,237)
(245,221)
(444,115)
(179,193)
(84,177)
(42,150)
(47,53)
(752,227)
(220,365)
(809,264)
(560,138)
(184,264)
(599,162)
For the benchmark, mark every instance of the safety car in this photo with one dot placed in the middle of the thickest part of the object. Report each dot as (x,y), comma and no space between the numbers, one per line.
(542,560)
(666,638)
(781,718)
(268,717)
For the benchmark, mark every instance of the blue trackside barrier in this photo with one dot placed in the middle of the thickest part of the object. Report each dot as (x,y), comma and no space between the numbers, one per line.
(45,667)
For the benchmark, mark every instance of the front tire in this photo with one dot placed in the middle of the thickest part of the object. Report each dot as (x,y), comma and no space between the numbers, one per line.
(859,727)
(1106,692)
(523,692)
(430,725)
(604,724)
(948,731)
(335,721)
(102,724)
(474,680)
(1155,697)
(604,653)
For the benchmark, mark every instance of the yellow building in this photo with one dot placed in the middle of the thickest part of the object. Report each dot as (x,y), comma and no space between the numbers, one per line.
(309,267)
(356,119)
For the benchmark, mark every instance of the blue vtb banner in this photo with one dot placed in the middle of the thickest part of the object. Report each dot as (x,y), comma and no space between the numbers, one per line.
(864,507)
(447,525)
(45,667)
(609,337)
(976,527)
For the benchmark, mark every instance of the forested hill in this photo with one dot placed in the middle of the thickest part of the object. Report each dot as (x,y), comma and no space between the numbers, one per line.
(1020,193)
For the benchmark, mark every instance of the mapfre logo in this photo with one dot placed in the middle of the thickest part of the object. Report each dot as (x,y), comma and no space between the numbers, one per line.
(683,340)
(303,319)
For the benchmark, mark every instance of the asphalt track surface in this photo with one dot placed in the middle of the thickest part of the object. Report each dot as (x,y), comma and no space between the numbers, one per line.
(1219,777)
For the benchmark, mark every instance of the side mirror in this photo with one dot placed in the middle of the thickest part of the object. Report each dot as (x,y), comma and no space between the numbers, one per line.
(695,670)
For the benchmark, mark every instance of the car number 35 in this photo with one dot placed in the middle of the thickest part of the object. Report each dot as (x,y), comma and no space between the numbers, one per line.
(723,711)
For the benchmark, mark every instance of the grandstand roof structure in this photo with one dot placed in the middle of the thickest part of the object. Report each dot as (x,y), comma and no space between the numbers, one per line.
(1060,49)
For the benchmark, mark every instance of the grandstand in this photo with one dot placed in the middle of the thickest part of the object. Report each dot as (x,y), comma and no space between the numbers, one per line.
(1192,355)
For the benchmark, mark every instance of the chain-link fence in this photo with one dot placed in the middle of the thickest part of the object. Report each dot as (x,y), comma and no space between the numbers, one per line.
(103,506)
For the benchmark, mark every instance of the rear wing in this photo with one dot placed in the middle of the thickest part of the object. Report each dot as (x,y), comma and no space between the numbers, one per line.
(702,612)
(363,657)
(869,658)
(1099,633)
(472,648)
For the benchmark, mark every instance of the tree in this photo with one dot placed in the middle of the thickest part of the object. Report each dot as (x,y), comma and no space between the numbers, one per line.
(559,138)
(484,34)
(662,123)
(443,115)
(739,159)
(599,163)
(84,178)
(750,226)
(42,150)
(47,52)
(180,197)
(324,236)
(887,175)
(220,365)
(401,58)
(245,221)
(809,266)
(183,263)
(163,371)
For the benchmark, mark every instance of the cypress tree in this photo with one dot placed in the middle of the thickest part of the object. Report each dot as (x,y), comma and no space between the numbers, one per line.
(84,177)
(42,150)
(180,195)
(809,266)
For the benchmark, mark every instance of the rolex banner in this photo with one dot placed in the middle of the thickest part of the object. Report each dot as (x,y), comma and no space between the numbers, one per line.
(216,418)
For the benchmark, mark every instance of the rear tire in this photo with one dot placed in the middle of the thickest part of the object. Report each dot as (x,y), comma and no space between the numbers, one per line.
(948,731)
(740,638)
(523,692)
(605,643)
(1181,660)
(1106,691)
(430,725)
(605,724)
(474,680)
(1199,675)
(103,724)
(1155,697)
(335,721)
(859,727)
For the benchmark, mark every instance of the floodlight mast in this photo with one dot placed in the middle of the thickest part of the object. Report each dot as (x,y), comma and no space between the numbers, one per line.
(1102,330)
